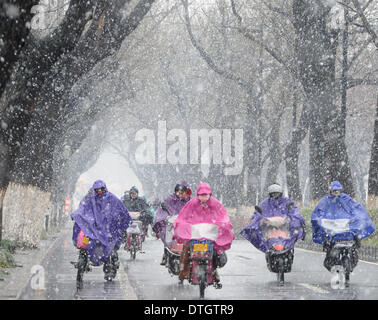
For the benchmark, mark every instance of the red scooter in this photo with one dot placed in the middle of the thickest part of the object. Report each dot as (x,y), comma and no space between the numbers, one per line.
(134,236)
(202,254)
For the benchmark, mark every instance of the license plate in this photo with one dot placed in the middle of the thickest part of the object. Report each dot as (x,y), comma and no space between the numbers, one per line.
(85,240)
(344,244)
(200,247)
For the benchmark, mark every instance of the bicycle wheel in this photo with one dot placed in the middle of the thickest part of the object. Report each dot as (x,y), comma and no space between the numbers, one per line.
(133,247)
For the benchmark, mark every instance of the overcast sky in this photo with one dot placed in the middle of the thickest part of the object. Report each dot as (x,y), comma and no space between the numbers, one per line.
(112,169)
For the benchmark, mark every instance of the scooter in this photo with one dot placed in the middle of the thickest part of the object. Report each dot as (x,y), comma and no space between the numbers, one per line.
(134,235)
(202,269)
(342,251)
(83,264)
(279,257)
(172,252)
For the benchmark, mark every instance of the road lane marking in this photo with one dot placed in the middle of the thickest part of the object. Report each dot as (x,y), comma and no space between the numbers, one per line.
(311,251)
(360,260)
(314,288)
(244,257)
(127,289)
(369,262)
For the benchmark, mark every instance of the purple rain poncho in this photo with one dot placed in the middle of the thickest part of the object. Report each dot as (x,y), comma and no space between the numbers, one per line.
(270,208)
(103,219)
(174,205)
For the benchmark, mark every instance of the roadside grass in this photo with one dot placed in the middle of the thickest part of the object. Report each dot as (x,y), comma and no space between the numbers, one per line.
(7,250)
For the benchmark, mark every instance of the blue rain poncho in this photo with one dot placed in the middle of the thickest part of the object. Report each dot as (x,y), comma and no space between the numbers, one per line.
(340,218)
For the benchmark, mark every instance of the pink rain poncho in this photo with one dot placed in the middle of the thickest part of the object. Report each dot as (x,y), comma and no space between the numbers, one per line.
(211,212)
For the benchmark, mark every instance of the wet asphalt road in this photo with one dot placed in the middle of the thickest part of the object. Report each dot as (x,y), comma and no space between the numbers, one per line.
(244,277)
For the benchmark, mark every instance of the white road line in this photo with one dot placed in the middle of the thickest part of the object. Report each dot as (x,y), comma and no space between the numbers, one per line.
(312,251)
(314,288)
(364,261)
(369,262)
(126,287)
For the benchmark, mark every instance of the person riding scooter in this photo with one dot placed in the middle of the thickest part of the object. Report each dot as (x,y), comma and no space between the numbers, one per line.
(134,203)
(283,209)
(169,208)
(349,219)
(203,209)
(103,219)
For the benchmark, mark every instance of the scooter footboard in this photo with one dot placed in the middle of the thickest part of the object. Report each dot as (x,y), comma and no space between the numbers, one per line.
(274,257)
(173,262)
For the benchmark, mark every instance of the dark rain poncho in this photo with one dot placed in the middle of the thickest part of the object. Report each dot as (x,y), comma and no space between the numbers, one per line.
(103,219)
(138,205)
(270,208)
(342,208)
(174,205)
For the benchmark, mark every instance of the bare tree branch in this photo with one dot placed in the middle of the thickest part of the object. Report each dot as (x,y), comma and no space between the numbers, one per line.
(366,23)
(206,56)
(244,31)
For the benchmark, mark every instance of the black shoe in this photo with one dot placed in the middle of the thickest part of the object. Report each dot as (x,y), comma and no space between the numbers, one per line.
(163,260)
(108,278)
(217,283)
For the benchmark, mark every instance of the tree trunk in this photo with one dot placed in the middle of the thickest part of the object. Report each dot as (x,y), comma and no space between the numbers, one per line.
(298,133)
(373,168)
(103,38)
(33,116)
(14,30)
(316,53)
(318,171)
(2,194)
(19,99)
(274,155)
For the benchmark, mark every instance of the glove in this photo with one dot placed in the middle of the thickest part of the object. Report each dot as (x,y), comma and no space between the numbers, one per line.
(145,217)
(164,206)
(358,241)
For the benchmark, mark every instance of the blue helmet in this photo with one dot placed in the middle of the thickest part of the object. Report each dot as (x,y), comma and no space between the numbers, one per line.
(335,185)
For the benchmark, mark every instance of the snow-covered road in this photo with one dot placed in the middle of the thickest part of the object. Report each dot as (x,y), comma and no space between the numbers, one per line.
(245,277)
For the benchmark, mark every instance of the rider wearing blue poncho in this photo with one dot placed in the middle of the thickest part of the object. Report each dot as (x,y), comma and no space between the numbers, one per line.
(340,209)
(338,205)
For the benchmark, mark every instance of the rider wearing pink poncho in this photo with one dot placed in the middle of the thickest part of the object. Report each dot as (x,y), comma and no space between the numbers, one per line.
(203,208)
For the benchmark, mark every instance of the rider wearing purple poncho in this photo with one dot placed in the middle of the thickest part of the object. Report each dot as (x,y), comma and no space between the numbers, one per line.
(275,205)
(171,206)
(103,218)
